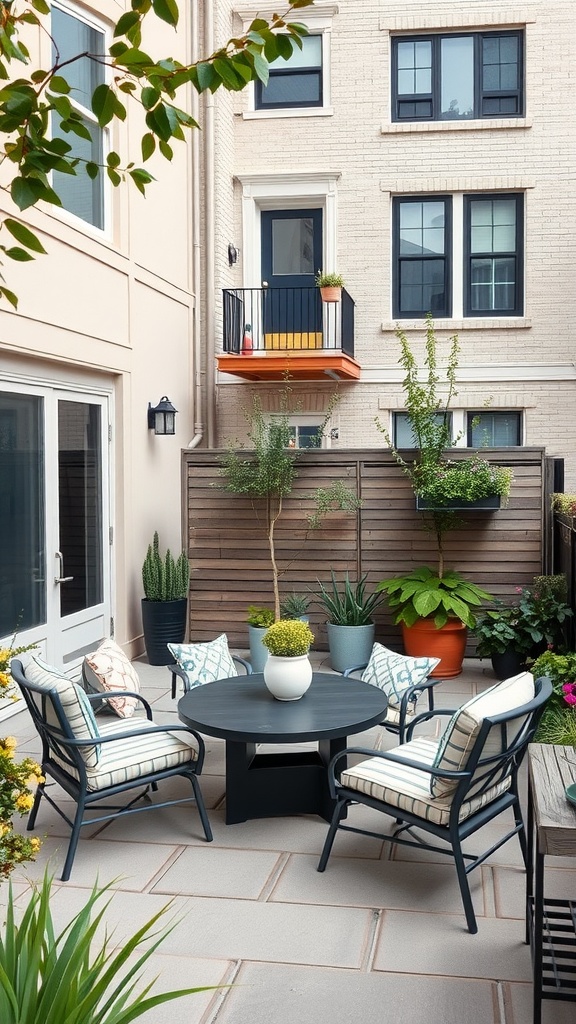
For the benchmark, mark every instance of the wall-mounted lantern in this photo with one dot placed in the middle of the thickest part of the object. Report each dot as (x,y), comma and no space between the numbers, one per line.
(162,417)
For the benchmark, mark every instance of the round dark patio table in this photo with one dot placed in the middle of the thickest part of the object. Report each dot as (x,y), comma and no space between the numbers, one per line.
(242,712)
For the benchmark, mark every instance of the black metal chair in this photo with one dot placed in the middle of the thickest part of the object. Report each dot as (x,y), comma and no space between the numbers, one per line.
(93,762)
(391,672)
(448,788)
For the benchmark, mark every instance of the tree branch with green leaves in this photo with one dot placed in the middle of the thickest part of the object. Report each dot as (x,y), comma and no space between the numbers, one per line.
(35,111)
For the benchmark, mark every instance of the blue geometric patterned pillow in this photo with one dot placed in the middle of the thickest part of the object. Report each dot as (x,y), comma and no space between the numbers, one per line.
(395,673)
(206,662)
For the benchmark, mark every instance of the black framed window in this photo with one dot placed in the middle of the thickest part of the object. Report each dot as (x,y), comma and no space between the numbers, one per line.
(493,265)
(487,429)
(421,253)
(402,434)
(296,82)
(457,76)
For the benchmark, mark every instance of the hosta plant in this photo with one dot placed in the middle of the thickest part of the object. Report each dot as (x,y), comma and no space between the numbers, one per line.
(288,638)
(68,977)
(423,594)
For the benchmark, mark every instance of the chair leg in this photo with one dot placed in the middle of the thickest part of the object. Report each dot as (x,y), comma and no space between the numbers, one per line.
(173,685)
(201,808)
(519,820)
(72,845)
(329,841)
(464,887)
(33,813)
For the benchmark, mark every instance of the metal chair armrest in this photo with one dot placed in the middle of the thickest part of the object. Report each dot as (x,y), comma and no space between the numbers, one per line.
(355,668)
(121,693)
(244,663)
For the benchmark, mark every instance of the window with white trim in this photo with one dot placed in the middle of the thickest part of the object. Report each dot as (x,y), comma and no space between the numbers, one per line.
(72,34)
(403,435)
(460,76)
(490,428)
(304,431)
(296,81)
(458,256)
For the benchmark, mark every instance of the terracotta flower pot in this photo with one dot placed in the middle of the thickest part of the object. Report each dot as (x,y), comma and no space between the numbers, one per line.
(424,640)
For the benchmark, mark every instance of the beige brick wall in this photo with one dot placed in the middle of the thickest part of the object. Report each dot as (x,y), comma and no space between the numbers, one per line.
(528,359)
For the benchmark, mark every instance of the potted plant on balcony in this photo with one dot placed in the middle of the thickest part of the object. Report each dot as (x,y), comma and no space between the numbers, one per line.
(330,286)
(350,622)
(288,672)
(166,582)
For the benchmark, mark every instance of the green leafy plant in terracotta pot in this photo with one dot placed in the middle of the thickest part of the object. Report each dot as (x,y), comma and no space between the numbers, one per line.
(330,285)
(288,672)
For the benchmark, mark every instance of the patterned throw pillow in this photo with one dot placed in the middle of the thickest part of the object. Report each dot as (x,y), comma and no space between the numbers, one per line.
(462,730)
(108,668)
(75,705)
(395,673)
(206,662)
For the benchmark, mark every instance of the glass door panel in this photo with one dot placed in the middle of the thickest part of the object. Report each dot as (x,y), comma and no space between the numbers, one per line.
(22,513)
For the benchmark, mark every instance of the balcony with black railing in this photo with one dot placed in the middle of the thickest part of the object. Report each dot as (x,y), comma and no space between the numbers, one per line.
(270,331)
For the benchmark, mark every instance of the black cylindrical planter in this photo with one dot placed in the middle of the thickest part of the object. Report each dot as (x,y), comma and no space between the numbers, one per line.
(508,664)
(164,622)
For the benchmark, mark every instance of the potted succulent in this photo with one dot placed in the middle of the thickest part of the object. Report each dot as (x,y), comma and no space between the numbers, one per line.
(259,619)
(166,582)
(434,611)
(350,621)
(288,672)
(295,606)
(330,286)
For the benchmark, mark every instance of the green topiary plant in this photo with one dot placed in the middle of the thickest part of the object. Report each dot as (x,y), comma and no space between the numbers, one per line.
(163,578)
(288,638)
(259,617)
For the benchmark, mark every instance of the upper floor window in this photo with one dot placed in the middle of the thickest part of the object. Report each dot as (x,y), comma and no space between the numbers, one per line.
(457,77)
(80,194)
(488,429)
(296,82)
(458,255)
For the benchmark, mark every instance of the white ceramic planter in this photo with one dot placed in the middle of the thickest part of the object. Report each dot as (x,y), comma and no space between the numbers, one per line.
(288,678)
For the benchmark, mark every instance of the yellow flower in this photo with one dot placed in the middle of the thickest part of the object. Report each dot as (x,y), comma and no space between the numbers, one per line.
(35,843)
(10,742)
(24,801)
(4,828)
(35,779)
(5,680)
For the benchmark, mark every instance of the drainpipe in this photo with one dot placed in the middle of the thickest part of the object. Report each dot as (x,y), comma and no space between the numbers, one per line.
(208,129)
(196,249)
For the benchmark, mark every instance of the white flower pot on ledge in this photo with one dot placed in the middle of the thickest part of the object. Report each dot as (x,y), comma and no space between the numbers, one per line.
(288,678)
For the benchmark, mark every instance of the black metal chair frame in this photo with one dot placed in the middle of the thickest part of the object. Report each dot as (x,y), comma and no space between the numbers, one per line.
(60,743)
(481,774)
(409,697)
(180,673)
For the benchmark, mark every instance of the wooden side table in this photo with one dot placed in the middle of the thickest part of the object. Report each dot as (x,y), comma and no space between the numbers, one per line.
(550,924)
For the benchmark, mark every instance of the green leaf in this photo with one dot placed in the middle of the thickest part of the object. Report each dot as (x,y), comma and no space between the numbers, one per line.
(261,68)
(113,160)
(141,178)
(92,169)
(165,149)
(40,5)
(148,145)
(126,22)
(166,10)
(23,235)
(12,298)
(25,192)
(103,104)
(59,84)
(226,72)
(20,255)
(114,176)
(206,76)
(150,97)
(134,56)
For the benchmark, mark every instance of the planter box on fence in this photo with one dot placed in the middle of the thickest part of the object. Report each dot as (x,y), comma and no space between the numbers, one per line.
(488,504)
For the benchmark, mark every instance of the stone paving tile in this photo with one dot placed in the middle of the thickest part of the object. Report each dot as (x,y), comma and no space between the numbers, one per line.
(518,1007)
(209,871)
(382,884)
(440,944)
(483,839)
(278,994)
(510,887)
(136,863)
(177,972)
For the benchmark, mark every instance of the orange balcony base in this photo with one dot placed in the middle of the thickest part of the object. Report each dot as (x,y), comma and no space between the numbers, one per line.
(311,365)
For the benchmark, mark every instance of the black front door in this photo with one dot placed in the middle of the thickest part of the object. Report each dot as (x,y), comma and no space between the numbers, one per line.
(291,257)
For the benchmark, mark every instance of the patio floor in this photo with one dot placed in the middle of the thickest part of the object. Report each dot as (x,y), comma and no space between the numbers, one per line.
(380,936)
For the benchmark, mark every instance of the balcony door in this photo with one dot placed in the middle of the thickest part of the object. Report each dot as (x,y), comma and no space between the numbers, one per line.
(54,532)
(291,256)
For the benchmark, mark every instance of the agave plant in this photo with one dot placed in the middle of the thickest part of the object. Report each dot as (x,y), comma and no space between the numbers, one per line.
(51,979)
(348,604)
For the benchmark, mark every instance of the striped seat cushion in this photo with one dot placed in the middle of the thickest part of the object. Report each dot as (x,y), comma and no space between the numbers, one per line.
(75,706)
(409,788)
(134,756)
(395,673)
(463,728)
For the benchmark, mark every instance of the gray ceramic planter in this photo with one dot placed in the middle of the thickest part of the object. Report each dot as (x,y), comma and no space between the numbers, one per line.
(258,653)
(349,645)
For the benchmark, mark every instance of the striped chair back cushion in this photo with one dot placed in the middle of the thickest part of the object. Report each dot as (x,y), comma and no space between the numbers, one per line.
(75,706)
(464,727)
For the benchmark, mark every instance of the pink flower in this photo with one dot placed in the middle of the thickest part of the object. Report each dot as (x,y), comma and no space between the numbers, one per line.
(570,698)
(518,590)
(569,687)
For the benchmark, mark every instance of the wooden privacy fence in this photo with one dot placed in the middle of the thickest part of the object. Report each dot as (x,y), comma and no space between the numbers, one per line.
(230,567)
